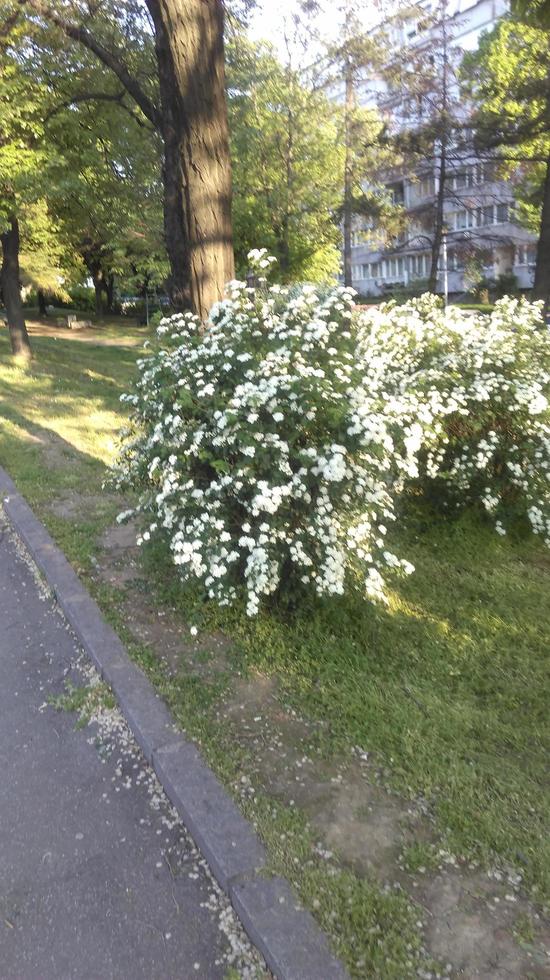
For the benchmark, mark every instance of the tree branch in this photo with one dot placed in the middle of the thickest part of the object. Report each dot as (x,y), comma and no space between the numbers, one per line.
(85,97)
(110,60)
(117,97)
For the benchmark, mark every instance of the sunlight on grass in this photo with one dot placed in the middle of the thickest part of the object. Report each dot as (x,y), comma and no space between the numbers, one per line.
(70,392)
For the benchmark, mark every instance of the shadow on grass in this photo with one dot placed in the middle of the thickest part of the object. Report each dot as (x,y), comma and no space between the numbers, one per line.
(42,463)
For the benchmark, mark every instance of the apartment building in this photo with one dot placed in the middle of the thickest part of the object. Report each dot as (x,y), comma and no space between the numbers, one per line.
(478,209)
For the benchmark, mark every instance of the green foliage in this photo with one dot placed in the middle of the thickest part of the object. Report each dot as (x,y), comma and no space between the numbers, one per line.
(508,79)
(288,165)
(24,176)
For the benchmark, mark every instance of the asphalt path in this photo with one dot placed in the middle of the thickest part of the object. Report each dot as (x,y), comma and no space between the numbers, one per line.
(98,879)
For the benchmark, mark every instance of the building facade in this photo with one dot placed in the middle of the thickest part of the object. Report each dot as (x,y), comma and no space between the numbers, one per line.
(481,236)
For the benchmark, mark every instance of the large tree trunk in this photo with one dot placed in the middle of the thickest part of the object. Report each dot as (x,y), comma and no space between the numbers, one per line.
(348,177)
(9,279)
(197,164)
(541,288)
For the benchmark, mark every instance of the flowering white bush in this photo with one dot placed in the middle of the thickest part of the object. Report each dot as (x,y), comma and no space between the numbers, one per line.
(481,384)
(254,451)
(272,445)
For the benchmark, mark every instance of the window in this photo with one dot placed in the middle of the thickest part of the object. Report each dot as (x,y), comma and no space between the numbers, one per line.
(418,265)
(455,262)
(458,220)
(526,255)
(425,188)
(464,178)
(503,213)
(397,194)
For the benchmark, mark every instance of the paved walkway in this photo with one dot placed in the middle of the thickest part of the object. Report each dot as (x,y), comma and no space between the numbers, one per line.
(97,880)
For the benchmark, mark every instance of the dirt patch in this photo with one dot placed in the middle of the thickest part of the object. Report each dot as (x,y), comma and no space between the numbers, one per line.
(475,921)
(470,917)
(172,640)
(119,562)
(74,506)
(160,629)
(121,539)
(55,453)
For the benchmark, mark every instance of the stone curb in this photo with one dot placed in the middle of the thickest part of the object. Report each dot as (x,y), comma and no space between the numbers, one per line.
(286,934)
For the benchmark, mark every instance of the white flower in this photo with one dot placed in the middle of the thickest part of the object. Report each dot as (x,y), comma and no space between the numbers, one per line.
(377,400)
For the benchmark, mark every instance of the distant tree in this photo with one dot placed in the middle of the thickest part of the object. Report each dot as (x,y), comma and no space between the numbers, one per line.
(508,77)
(532,11)
(353,60)
(348,69)
(106,192)
(287,164)
(25,232)
(429,116)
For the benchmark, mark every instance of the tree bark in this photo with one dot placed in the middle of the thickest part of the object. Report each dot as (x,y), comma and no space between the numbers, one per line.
(42,311)
(348,177)
(439,218)
(110,292)
(197,164)
(11,292)
(444,128)
(98,289)
(541,287)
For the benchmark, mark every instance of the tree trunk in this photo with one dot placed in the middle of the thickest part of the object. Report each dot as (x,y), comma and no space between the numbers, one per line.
(541,287)
(98,288)
(439,218)
(9,279)
(110,292)
(444,131)
(348,177)
(42,311)
(197,164)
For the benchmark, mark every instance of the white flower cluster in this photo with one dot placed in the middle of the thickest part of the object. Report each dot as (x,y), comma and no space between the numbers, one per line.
(254,453)
(271,446)
(480,385)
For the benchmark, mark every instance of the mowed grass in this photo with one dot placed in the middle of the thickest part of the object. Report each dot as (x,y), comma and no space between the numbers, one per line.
(448,687)
(61,416)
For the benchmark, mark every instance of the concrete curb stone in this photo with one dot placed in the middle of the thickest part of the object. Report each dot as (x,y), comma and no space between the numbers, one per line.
(283,930)
(288,937)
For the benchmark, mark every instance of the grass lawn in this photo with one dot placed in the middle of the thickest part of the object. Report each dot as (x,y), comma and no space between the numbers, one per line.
(445,693)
